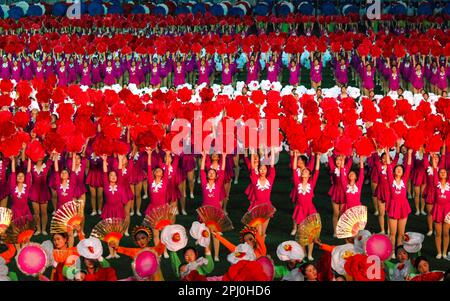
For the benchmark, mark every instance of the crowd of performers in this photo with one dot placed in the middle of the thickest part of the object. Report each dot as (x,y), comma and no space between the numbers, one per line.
(110,146)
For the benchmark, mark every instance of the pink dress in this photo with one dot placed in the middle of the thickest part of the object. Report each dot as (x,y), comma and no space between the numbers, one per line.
(212,195)
(316,73)
(419,175)
(139,162)
(430,189)
(337,190)
(19,204)
(67,193)
(114,200)
(173,192)
(398,207)
(310,166)
(383,191)
(441,206)
(294,73)
(79,183)
(94,175)
(304,197)
(262,191)
(158,191)
(217,168)
(39,191)
(187,164)
(353,192)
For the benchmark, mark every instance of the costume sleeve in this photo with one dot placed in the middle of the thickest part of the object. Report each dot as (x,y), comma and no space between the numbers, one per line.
(9,253)
(360,178)
(104,263)
(175,263)
(327,248)
(130,252)
(314,178)
(209,267)
(159,249)
(225,242)
(280,271)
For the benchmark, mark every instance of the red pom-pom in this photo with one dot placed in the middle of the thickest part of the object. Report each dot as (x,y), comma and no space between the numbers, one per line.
(184,94)
(413,117)
(21,119)
(343,146)
(322,145)
(112,130)
(399,127)
(364,146)
(53,142)
(42,127)
(121,148)
(258,97)
(103,146)
(434,143)
(403,107)
(10,146)
(65,111)
(234,109)
(352,131)
(414,138)
(336,47)
(75,142)
(35,151)
(290,105)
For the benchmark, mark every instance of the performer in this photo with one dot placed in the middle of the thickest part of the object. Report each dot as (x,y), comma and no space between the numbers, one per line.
(441,208)
(20,185)
(40,194)
(353,186)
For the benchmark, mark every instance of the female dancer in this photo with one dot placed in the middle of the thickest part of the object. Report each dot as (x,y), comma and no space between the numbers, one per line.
(294,70)
(125,170)
(65,184)
(228,70)
(341,71)
(20,184)
(248,235)
(252,71)
(417,75)
(337,190)
(441,208)
(173,193)
(179,77)
(85,74)
(216,163)
(191,255)
(305,186)
(138,177)
(95,182)
(158,184)
(40,194)
(398,208)
(4,187)
(432,168)
(353,186)
(212,183)
(272,71)
(383,191)
(78,164)
(367,76)
(316,71)
(204,70)
(262,186)
(443,75)
(114,198)
(419,180)
(186,173)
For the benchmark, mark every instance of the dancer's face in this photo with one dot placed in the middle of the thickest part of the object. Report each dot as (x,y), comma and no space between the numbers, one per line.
(189,256)
(263,170)
(402,256)
(112,177)
(59,241)
(20,177)
(311,273)
(423,267)
(306,173)
(443,174)
(352,176)
(250,239)
(212,174)
(398,171)
(141,240)
(64,175)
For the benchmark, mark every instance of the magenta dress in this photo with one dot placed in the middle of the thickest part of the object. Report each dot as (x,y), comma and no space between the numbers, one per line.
(187,164)
(294,74)
(208,165)
(19,204)
(337,190)
(179,77)
(227,74)
(86,76)
(134,75)
(4,187)
(124,180)
(430,189)
(252,73)
(117,69)
(72,72)
(39,72)
(61,73)
(65,194)
(368,79)
(249,191)
(341,72)
(372,167)
(441,81)
(353,193)
(262,191)
(114,200)
(394,81)
(173,192)
(441,206)
(155,76)
(310,166)
(96,75)
(94,175)
(419,175)
(304,197)
(110,78)
(212,195)
(27,73)
(398,207)
(49,69)
(16,72)
(316,73)
(5,70)
(383,191)
(139,162)
(79,182)
(158,191)
(39,191)
(53,175)
(416,79)
(272,73)
(203,73)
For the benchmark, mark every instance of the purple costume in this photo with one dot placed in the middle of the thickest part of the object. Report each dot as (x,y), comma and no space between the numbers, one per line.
(19,204)
(39,192)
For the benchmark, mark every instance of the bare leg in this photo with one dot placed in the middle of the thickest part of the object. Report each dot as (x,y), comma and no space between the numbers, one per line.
(445,234)
(54,200)
(216,243)
(133,190)
(100,199)
(182,188)
(393,232)
(227,193)
(44,217)
(417,199)
(382,213)
(294,227)
(93,200)
(191,181)
(310,251)
(429,219)
(37,217)
(127,209)
(237,168)
(4,202)
(401,226)
(138,190)
(422,201)
(438,238)
(336,209)
(145,187)
(374,199)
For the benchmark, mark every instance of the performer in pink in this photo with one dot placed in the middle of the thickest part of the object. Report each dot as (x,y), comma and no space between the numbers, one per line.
(204,71)
(179,77)
(337,190)
(416,77)
(353,186)
(85,74)
(341,71)
(315,72)
(49,66)
(432,168)
(211,183)
(138,177)
(95,181)
(61,73)
(96,73)
(155,75)
(28,66)
(398,208)
(5,68)
(305,185)
(215,162)
(72,70)
(441,208)
(170,166)
(262,186)
(16,71)
(20,184)
(367,76)
(252,71)
(442,77)
(65,183)
(133,74)
(419,180)
(39,70)
(272,71)
(40,194)
(124,173)
(294,71)
(383,191)
(228,71)
(109,75)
